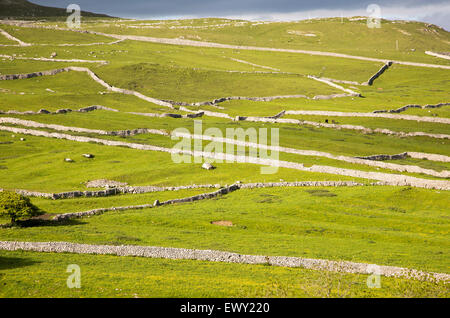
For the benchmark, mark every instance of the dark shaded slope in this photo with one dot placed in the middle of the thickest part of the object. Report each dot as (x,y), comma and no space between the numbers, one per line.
(26,9)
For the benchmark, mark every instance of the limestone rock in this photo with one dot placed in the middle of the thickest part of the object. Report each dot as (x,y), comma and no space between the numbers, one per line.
(103,183)
(208,166)
(63,111)
(88,155)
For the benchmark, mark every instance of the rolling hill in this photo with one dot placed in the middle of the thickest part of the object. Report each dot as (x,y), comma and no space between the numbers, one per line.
(359,129)
(27,9)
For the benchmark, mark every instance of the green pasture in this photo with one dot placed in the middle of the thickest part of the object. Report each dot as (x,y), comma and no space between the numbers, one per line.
(397,226)
(29,274)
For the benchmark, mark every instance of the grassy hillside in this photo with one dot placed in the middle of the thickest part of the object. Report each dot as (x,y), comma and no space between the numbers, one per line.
(133,277)
(348,35)
(26,9)
(398,224)
(391,226)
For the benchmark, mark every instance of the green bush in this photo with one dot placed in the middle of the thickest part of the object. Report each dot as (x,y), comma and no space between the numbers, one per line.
(16,206)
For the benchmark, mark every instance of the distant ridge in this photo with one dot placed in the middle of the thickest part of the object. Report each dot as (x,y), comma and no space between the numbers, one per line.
(25,9)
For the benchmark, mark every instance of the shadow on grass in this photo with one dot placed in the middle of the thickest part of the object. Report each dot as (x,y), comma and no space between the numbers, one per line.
(15,262)
(41,223)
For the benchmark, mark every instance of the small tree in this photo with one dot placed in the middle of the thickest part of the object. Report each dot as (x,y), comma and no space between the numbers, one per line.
(16,206)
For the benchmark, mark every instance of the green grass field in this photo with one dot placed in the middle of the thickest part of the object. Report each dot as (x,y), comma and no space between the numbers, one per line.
(109,276)
(386,225)
(381,224)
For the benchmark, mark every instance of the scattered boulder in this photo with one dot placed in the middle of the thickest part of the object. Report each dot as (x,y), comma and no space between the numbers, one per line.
(43,111)
(68,160)
(156,203)
(88,155)
(53,55)
(22,139)
(208,166)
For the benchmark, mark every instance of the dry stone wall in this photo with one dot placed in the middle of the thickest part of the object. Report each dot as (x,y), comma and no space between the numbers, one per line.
(301,184)
(255,65)
(402,109)
(416,155)
(340,81)
(198,197)
(132,132)
(178,41)
(365,130)
(9,36)
(394,179)
(167,103)
(379,73)
(428,156)
(362,129)
(53,59)
(59,111)
(440,55)
(93,76)
(373,115)
(330,83)
(216,101)
(227,257)
(165,115)
(385,157)
(112,191)
(358,160)
(147,189)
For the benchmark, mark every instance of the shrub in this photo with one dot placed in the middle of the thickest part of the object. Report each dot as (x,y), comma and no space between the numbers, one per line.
(16,206)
